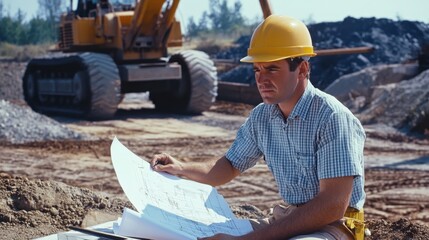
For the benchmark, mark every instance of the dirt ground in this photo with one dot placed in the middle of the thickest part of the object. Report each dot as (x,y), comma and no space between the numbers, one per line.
(397,175)
(46,186)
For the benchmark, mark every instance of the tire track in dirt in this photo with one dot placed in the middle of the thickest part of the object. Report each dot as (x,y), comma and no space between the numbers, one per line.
(392,194)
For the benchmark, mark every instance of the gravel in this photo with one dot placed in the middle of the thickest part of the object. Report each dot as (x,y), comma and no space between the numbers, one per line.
(19,124)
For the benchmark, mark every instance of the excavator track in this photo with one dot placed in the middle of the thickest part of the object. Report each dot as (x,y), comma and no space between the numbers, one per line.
(198,87)
(83,85)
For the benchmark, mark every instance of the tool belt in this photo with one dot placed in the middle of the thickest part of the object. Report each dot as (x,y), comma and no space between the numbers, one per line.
(354,220)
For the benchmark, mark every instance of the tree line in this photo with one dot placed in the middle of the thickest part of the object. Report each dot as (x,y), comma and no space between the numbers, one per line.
(42,28)
(220,19)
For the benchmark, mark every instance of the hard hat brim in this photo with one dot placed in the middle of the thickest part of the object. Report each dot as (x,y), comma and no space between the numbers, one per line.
(271,58)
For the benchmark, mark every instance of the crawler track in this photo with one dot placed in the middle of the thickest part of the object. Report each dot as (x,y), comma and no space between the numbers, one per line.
(85,85)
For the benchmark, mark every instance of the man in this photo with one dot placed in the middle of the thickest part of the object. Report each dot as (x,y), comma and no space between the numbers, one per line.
(104,7)
(312,144)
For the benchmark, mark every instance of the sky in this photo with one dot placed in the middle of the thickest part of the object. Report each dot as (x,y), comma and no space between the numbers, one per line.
(316,10)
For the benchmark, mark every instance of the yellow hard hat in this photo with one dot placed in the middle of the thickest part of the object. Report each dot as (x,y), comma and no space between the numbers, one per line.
(279,37)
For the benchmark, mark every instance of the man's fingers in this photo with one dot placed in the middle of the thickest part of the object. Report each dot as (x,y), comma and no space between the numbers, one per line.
(162,159)
(164,168)
(165,163)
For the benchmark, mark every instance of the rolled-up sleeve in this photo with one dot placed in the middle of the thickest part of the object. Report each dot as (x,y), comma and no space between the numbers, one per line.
(340,150)
(244,152)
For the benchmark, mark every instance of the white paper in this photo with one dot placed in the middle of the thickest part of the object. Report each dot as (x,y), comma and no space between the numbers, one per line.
(187,208)
(136,224)
(75,235)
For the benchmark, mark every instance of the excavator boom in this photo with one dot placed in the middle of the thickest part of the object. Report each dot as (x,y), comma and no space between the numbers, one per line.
(147,13)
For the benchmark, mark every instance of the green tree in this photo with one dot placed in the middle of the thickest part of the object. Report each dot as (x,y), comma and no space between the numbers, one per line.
(51,10)
(224,19)
(194,29)
(220,19)
(12,29)
(20,35)
(5,29)
(1,8)
(38,31)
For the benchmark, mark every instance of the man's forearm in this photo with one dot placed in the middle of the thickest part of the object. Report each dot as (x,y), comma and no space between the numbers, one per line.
(327,207)
(214,172)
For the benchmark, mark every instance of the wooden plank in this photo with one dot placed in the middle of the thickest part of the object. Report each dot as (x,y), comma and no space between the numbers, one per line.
(238,92)
(340,51)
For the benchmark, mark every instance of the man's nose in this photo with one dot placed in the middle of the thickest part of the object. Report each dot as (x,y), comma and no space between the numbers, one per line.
(260,78)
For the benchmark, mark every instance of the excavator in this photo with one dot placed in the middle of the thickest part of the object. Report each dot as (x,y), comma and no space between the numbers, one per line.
(106,50)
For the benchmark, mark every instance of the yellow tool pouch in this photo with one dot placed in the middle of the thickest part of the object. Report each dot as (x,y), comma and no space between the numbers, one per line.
(354,220)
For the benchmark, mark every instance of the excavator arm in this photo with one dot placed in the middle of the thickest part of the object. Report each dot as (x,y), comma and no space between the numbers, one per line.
(266,11)
(266,8)
(150,23)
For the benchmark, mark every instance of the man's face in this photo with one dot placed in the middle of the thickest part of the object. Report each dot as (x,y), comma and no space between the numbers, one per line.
(275,82)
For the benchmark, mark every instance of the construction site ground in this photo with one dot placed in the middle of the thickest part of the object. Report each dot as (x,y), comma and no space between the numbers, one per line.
(397,169)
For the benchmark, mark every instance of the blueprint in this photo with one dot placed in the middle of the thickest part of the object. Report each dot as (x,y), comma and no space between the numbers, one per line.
(169,207)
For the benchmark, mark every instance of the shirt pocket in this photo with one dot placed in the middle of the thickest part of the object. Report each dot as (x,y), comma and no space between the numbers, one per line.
(307,171)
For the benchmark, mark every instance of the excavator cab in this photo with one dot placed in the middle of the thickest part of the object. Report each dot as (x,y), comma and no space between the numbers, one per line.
(87,8)
(84,7)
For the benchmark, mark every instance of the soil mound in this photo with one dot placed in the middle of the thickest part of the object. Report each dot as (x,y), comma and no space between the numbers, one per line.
(401,229)
(35,208)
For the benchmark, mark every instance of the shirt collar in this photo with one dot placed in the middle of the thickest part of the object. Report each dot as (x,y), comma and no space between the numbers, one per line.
(301,107)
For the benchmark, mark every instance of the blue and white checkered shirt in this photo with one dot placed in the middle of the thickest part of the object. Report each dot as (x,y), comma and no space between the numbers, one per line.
(320,139)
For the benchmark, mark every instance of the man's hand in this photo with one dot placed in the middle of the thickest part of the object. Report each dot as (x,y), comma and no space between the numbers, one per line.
(212,172)
(166,163)
(219,236)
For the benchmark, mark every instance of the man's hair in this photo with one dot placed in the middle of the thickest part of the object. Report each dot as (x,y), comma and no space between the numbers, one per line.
(294,63)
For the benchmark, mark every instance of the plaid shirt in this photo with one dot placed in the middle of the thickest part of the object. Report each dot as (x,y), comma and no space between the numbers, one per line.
(320,139)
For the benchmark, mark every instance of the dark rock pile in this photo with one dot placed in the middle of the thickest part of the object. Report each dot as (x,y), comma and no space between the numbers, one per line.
(393,42)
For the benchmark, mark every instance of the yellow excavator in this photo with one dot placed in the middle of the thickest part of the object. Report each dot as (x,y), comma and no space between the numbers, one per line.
(106,50)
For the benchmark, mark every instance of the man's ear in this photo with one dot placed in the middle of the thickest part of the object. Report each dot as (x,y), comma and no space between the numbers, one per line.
(303,70)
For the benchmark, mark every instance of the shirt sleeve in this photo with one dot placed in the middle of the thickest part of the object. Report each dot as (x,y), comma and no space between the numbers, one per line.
(340,150)
(244,152)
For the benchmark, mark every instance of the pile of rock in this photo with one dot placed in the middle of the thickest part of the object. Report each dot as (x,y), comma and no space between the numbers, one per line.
(19,124)
(393,42)
(386,86)
(395,95)
(10,80)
